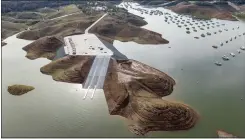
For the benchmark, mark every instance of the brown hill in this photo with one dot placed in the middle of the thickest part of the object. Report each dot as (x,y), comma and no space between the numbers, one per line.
(205,10)
(133,90)
(126,27)
(18,89)
(44,47)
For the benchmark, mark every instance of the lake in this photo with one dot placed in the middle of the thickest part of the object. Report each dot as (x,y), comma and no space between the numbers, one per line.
(57,109)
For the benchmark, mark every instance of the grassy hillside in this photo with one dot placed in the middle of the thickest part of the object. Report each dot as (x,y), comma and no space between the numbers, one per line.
(63,11)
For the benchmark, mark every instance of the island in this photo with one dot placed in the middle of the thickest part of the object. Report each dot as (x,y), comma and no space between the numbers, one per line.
(19,89)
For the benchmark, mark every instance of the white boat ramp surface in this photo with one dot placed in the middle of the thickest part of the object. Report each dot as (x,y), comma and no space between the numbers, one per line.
(85,44)
(90,44)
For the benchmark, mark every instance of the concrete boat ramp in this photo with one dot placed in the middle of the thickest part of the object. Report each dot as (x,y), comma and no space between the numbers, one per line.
(85,44)
(96,77)
(90,44)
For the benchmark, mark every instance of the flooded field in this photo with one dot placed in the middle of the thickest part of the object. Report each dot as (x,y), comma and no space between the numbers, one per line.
(56,109)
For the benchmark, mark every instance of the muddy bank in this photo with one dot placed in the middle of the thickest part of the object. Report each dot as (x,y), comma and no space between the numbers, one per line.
(19,89)
(45,47)
(133,90)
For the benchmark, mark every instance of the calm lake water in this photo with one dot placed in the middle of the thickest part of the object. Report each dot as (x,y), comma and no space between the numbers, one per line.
(56,109)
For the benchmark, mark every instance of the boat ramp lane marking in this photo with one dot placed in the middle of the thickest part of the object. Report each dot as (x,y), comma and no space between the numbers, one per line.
(97,73)
(92,71)
(103,72)
(100,82)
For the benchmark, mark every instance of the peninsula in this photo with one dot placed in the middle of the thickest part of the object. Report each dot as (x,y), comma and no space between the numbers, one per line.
(132,89)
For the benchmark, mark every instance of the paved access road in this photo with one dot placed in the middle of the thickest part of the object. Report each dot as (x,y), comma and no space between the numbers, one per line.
(86,31)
